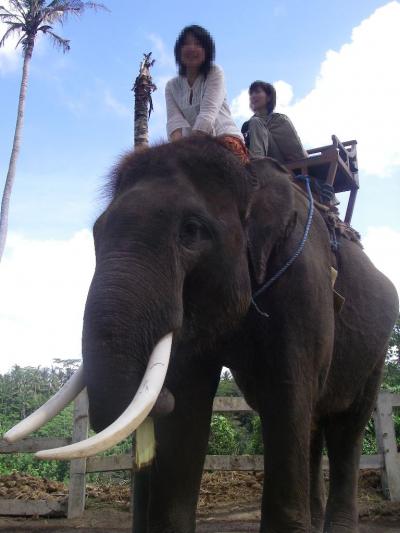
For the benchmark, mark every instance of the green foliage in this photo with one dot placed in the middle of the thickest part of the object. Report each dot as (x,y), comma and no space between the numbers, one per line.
(256,446)
(22,390)
(369,442)
(27,464)
(391,376)
(223,437)
(242,422)
(394,343)
(227,385)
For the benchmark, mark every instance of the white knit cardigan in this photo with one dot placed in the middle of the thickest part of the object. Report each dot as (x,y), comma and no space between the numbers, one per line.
(202,107)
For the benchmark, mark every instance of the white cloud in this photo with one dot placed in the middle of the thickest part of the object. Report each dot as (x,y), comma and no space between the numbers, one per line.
(382,244)
(240,106)
(117,107)
(9,55)
(284,94)
(355,94)
(43,287)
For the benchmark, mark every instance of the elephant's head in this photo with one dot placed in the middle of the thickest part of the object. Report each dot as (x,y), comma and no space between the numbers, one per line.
(172,256)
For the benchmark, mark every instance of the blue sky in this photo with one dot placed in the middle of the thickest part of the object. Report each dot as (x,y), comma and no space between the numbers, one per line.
(327,58)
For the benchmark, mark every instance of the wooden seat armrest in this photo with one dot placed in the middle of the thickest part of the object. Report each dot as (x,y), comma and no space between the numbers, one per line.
(343,153)
(319,149)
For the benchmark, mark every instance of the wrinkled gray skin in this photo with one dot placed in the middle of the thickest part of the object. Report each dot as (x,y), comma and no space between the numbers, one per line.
(187,237)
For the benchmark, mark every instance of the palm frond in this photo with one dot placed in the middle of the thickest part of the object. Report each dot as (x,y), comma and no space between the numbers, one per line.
(22,40)
(45,28)
(6,19)
(12,29)
(95,6)
(58,41)
(17,5)
(9,18)
(58,10)
(56,15)
(7,11)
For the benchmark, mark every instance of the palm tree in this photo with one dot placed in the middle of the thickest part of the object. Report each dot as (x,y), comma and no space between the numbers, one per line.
(143,88)
(29,18)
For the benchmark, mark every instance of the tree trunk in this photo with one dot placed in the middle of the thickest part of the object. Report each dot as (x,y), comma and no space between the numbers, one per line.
(5,202)
(143,88)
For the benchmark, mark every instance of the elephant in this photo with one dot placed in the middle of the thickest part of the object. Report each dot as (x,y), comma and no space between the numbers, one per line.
(189,235)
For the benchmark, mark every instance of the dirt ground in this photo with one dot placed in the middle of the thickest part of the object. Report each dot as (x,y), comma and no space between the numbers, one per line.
(229,502)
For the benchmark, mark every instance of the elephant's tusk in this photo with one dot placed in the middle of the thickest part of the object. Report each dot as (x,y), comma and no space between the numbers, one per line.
(49,410)
(136,412)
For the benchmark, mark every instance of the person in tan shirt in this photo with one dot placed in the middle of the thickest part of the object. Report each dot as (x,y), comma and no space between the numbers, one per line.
(268,133)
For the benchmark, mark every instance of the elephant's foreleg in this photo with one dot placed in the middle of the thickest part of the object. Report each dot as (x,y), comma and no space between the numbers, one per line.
(182,439)
(286,421)
(317,485)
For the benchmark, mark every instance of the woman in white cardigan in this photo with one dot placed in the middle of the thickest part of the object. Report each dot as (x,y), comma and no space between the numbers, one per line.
(196,99)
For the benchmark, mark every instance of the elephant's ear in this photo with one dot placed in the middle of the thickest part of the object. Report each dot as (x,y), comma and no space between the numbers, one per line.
(271,215)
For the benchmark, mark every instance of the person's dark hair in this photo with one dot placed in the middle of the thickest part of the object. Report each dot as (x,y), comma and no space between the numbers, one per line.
(205,40)
(269,89)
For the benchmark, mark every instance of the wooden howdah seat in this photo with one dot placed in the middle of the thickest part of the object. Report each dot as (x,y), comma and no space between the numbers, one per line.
(335,165)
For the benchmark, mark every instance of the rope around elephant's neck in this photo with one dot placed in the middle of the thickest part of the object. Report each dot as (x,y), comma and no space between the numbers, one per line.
(292,259)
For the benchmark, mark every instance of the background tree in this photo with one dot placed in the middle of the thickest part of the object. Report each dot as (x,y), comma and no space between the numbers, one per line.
(391,375)
(143,88)
(29,18)
(223,436)
(394,343)
(227,385)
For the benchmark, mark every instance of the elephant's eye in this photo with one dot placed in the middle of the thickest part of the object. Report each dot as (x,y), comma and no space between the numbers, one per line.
(193,232)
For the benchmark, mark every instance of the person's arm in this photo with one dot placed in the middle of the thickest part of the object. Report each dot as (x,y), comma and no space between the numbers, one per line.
(211,103)
(258,138)
(175,119)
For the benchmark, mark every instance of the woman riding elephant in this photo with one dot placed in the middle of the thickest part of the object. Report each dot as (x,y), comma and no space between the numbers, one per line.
(196,98)
(268,133)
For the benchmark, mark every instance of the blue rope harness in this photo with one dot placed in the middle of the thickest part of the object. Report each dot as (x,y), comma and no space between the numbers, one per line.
(290,261)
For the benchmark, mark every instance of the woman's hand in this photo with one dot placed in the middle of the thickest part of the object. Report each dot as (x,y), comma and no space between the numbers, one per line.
(176,135)
(199,133)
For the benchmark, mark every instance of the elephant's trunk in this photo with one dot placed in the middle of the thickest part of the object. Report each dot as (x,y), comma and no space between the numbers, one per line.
(125,318)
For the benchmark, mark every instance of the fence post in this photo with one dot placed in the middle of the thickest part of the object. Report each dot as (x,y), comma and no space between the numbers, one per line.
(386,441)
(77,476)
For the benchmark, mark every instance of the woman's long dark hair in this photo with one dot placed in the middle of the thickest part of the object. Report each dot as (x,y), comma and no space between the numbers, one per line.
(206,42)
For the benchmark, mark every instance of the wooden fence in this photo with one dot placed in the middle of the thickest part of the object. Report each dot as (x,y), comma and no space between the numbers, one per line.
(387,459)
